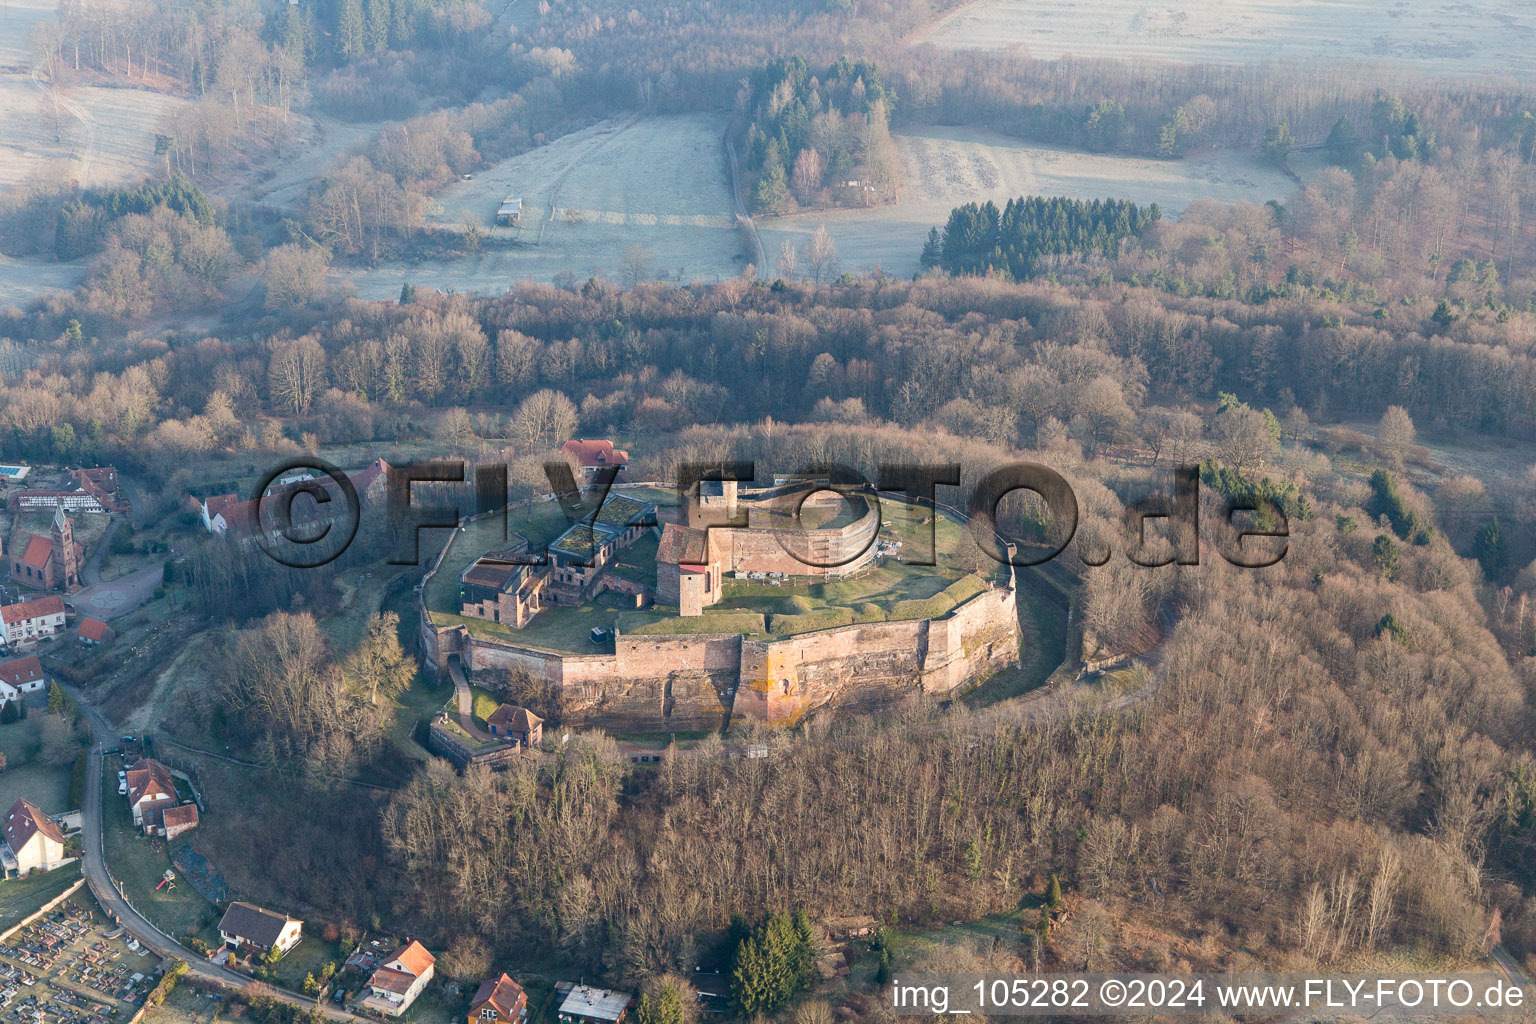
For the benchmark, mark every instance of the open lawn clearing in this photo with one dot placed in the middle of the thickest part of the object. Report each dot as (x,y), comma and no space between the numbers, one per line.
(309,957)
(1435,36)
(185,1005)
(946,167)
(46,785)
(24,281)
(20,897)
(106,135)
(655,182)
(18,18)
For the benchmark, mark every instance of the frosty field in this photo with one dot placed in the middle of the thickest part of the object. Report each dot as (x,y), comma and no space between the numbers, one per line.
(657,182)
(950,166)
(1434,36)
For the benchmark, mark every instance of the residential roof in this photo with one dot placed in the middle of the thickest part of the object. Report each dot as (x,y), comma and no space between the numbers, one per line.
(21,670)
(176,817)
(391,980)
(94,629)
(52,605)
(595,453)
(501,993)
(683,545)
(24,820)
(514,718)
(254,924)
(594,1003)
(38,551)
(219,502)
(413,958)
(149,778)
(244,515)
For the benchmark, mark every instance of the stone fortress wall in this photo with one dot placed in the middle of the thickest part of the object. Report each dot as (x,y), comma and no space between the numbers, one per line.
(702,681)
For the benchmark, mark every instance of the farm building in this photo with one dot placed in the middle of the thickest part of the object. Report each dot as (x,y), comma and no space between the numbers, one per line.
(510,212)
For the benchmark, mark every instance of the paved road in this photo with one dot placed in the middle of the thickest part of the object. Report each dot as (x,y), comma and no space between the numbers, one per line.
(91,571)
(120,596)
(98,878)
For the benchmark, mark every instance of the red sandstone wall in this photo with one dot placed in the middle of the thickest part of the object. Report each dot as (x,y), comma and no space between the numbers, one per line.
(685,682)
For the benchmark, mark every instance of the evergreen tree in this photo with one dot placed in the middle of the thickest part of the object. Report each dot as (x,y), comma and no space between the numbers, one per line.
(1053,892)
(351,32)
(1385,557)
(1488,547)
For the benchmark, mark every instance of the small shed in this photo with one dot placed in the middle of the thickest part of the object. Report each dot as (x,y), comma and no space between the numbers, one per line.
(510,212)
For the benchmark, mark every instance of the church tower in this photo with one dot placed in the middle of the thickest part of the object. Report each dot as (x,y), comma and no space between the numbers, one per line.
(66,556)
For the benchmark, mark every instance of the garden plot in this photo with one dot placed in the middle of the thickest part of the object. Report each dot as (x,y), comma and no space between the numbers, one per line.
(588,197)
(946,167)
(1493,37)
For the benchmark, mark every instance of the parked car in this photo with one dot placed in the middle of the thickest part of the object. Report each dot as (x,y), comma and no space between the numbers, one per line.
(122,783)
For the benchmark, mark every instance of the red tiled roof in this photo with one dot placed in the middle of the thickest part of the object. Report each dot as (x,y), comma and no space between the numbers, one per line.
(502,993)
(595,453)
(366,476)
(24,820)
(412,956)
(39,550)
(176,817)
(21,670)
(53,605)
(95,629)
(149,778)
(514,718)
(391,980)
(683,545)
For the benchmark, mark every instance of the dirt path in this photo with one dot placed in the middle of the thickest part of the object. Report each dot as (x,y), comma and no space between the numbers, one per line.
(741,206)
(76,111)
(553,198)
(922,35)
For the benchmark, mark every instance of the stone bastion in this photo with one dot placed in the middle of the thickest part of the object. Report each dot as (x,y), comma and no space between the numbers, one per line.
(693,681)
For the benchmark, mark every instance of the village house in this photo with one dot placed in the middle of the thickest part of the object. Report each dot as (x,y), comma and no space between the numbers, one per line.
(247,926)
(521,726)
(225,512)
(587,1005)
(498,1000)
(92,632)
(151,791)
(592,457)
(397,982)
(20,676)
(33,840)
(30,621)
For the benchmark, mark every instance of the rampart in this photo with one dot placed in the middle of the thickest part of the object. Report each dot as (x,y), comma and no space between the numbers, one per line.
(702,681)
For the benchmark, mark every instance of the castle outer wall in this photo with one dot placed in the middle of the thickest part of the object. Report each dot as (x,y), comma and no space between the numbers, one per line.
(702,681)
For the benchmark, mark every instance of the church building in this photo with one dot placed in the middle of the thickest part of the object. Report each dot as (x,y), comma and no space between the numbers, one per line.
(51,563)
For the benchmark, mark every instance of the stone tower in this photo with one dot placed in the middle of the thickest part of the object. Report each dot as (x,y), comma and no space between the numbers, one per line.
(66,555)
